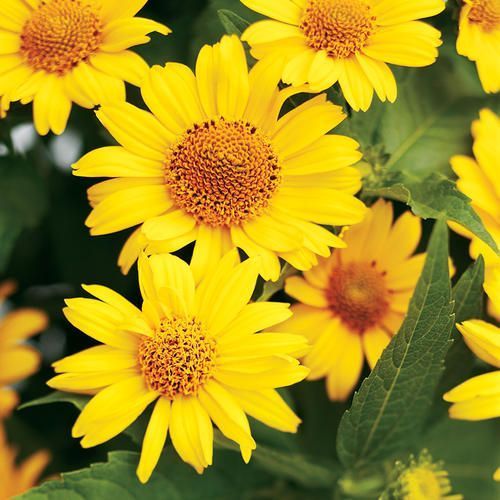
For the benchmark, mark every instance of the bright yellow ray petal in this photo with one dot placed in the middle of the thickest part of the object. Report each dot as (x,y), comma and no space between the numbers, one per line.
(375,341)
(126,65)
(171,225)
(304,292)
(390,12)
(286,11)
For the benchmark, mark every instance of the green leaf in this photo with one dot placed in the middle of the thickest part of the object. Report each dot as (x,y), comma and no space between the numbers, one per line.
(390,408)
(288,465)
(432,197)
(77,400)
(173,480)
(269,288)
(468,297)
(233,24)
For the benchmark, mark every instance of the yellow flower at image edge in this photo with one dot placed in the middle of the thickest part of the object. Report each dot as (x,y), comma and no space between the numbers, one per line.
(17,361)
(478,179)
(192,350)
(352,303)
(479,39)
(55,52)
(479,397)
(320,42)
(214,163)
(16,479)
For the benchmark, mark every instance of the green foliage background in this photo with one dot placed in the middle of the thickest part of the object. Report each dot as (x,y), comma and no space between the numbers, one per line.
(46,248)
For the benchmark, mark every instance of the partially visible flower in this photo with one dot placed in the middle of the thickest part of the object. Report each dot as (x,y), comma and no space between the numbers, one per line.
(4,107)
(16,479)
(320,42)
(479,397)
(352,303)
(215,163)
(479,39)
(17,360)
(478,179)
(192,350)
(56,52)
(9,399)
(420,479)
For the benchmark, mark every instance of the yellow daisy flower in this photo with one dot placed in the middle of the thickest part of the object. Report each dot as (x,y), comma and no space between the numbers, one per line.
(56,52)
(353,302)
(214,163)
(17,360)
(192,350)
(479,397)
(421,479)
(16,479)
(479,39)
(322,42)
(478,179)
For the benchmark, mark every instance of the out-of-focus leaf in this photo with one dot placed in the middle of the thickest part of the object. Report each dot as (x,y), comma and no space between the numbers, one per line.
(468,297)
(432,197)
(77,400)
(233,24)
(172,480)
(390,408)
(288,465)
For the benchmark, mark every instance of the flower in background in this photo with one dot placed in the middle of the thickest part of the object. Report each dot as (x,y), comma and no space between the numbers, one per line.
(17,360)
(16,479)
(321,42)
(56,52)
(479,397)
(479,40)
(352,303)
(4,107)
(192,350)
(214,163)
(478,179)
(420,479)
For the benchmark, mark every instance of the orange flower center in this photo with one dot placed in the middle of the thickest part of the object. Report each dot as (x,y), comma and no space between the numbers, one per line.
(341,27)
(60,35)
(357,293)
(179,358)
(486,13)
(222,172)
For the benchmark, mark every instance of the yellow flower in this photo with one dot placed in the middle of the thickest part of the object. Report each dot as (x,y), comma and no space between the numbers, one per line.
(478,179)
(353,302)
(191,349)
(479,39)
(56,52)
(16,479)
(479,397)
(4,107)
(321,42)
(215,163)
(421,479)
(17,360)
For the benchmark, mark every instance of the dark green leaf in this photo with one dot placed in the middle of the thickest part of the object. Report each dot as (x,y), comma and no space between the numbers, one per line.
(390,408)
(434,197)
(271,287)
(233,24)
(77,400)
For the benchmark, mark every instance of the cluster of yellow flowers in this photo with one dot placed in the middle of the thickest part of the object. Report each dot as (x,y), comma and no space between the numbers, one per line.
(216,162)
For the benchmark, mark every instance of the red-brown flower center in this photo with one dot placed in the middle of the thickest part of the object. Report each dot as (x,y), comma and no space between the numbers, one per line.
(486,13)
(357,293)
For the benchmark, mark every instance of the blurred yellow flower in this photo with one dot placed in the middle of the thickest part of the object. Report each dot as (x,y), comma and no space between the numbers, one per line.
(478,179)
(16,479)
(321,42)
(353,302)
(214,163)
(17,360)
(479,39)
(56,52)
(192,350)
(479,397)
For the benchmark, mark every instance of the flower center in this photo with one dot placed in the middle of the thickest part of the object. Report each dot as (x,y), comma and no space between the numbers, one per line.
(341,27)
(222,172)
(179,359)
(60,35)
(422,484)
(357,293)
(486,13)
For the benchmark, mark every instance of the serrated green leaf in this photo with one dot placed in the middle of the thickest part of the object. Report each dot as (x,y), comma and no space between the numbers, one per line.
(390,408)
(172,480)
(468,297)
(233,24)
(432,197)
(288,465)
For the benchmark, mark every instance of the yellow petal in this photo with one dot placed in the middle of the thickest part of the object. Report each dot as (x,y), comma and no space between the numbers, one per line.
(18,363)
(126,65)
(21,324)
(286,11)
(483,339)
(301,290)
(375,341)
